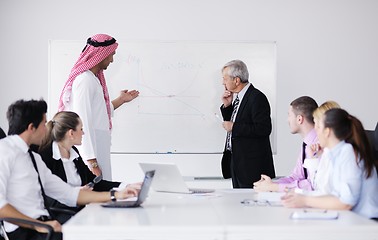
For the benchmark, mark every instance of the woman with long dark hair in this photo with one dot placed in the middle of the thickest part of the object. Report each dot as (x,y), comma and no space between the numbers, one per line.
(351,181)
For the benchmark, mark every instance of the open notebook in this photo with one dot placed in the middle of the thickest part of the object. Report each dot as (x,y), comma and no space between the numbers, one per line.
(169,179)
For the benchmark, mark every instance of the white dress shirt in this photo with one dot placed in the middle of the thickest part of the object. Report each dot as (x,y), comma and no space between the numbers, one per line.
(19,184)
(240,96)
(87,100)
(73,177)
(322,182)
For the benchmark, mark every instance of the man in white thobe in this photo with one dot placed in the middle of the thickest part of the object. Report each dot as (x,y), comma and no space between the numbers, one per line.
(86,93)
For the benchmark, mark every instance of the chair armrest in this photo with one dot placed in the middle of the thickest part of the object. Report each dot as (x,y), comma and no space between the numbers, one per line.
(49,229)
(62,210)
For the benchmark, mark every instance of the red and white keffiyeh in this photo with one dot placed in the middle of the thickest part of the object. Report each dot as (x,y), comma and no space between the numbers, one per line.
(92,54)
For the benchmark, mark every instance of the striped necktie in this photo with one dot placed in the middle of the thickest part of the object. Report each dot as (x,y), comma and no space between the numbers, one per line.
(228,138)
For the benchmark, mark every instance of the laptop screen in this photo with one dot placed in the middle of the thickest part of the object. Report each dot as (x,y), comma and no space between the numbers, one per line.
(143,194)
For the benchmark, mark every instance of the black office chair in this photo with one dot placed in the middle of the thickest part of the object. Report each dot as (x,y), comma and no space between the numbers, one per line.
(3,234)
(373,140)
(2,133)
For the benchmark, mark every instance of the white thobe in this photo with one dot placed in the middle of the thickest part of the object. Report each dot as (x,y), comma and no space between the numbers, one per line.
(87,100)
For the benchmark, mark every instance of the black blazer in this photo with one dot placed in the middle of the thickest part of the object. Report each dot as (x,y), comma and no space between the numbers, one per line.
(251,150)
(56,167)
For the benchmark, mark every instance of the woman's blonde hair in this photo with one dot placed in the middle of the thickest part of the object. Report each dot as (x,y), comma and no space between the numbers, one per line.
(57,128)
(319,112)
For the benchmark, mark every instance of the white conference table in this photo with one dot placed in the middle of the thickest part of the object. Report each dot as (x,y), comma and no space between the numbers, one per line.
(214,216)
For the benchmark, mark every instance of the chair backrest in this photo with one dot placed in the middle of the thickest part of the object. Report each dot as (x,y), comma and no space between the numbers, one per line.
(2,133)
(373,139)
(3,233)
(376,137)
(48,228)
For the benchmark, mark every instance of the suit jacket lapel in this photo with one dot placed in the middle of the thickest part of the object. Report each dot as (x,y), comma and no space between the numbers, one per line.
(79,170)
(60,170)
(244,101)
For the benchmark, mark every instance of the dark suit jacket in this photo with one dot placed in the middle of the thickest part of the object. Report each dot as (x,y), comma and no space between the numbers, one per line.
(56,167)
(251,150)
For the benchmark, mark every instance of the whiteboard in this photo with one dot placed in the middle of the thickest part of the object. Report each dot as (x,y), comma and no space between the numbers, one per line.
(180,86)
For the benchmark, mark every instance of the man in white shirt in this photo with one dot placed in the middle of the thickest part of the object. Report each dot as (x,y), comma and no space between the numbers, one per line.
(86,93)
(25,179)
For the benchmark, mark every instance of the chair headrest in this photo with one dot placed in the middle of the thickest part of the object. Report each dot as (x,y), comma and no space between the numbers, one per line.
(2,133)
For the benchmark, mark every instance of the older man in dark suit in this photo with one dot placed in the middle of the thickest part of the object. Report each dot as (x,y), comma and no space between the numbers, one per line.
(246,114)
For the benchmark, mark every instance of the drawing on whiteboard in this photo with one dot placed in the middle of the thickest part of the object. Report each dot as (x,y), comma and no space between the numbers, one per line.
(175,92)
(180,88)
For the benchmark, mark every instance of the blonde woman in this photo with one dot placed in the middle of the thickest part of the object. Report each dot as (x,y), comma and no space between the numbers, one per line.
(61,156)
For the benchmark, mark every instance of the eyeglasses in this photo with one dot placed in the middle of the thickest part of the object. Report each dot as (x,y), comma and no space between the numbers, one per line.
(252,202)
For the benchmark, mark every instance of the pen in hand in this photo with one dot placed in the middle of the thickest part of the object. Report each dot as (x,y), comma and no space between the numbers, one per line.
(315,149)
(94,181)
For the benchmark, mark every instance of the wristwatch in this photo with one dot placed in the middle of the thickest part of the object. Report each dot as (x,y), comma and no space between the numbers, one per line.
(112,195)
(94,164)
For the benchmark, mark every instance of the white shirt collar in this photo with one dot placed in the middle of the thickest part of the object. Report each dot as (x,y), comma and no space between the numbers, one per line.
(242,92)
(20,143)
(58,156)
(335,150)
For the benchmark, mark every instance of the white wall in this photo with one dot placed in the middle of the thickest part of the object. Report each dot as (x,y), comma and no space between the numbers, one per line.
(326,48)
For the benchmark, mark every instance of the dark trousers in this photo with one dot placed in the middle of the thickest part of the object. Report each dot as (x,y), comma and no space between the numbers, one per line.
(30,234)
(236,183)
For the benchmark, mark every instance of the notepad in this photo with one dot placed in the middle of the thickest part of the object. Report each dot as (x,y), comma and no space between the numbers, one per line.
(314,214)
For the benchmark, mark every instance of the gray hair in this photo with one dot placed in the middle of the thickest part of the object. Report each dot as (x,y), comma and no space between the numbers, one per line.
(237,68)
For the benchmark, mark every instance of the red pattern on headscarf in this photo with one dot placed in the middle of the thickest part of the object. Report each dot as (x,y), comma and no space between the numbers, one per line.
(89,58)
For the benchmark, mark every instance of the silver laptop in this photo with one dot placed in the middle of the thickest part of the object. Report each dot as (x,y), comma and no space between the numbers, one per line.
(149,175)
(169,179)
